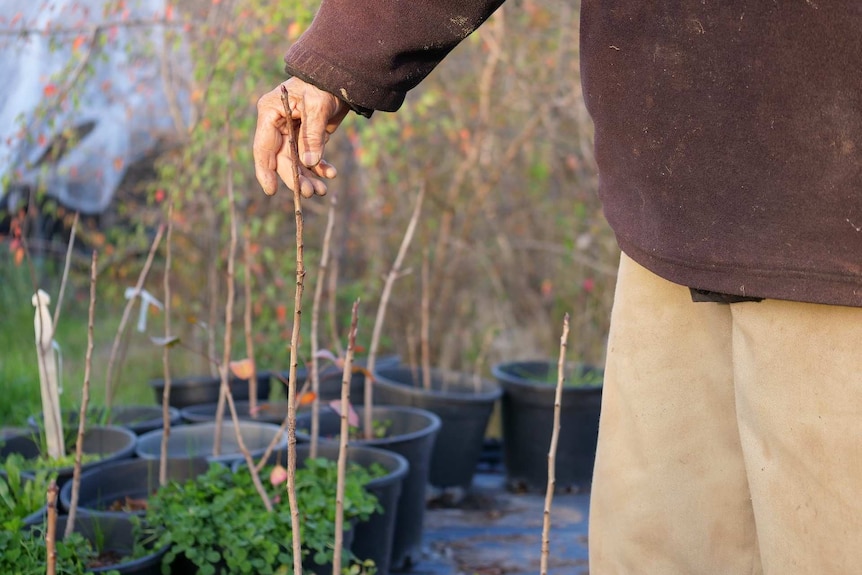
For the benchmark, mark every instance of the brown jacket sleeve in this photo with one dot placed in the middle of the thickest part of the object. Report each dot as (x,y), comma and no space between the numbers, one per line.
(370,53)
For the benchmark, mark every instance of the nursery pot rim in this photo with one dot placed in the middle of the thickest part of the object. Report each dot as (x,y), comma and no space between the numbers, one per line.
(120,454)
(434,424)
(501,372)
(491,390)
(192,428)
(198,379)
(65,495)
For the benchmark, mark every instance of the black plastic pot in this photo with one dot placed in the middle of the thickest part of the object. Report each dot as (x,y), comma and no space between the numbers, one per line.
(412,433)
(372,539)
(133,478)
(196,440)
(137,418)
(527,421)
(109,441)
(205,389)
(464,406)
(142,418)
(268,412)
(114,533)
(331,376)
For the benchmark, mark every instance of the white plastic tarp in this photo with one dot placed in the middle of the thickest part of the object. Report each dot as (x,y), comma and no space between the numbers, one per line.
(102,69)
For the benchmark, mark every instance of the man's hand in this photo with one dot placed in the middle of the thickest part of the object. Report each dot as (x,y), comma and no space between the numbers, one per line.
(318,114)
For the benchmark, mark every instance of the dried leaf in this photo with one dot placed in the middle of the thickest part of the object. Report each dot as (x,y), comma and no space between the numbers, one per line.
(243,368)
(352,417)
(305,398)
(169,341)
(326,354)
(278,475)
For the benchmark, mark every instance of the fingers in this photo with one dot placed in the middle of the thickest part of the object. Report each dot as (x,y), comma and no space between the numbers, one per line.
(268,140)
(319,114)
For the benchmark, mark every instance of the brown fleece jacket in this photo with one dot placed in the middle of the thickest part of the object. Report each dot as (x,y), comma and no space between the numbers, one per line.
(728,134)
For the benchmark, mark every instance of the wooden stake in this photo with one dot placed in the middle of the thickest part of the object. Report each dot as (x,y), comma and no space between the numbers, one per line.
(85,402)
(552,451)
(48,376)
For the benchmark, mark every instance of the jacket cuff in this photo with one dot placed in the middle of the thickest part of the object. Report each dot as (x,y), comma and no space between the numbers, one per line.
(362,98)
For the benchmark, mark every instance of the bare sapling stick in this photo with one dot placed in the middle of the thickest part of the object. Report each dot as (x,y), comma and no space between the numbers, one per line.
(51,530)
(332,312)
(124,320)
(294,337)
(346,376)
(393,275)
(487,340)
(282,429)
(315,325)
(552,451)
(85,402)
(247,324)
(426,325)
(224,369)
(166,366)
(65,279)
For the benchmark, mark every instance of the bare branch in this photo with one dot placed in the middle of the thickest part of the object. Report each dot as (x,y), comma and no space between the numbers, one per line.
(346,376)
(314,374)
(294,339)
(166,367)
(552,451)
(51,531)
(85,402)
(65,277)
(381,311)
(127,312)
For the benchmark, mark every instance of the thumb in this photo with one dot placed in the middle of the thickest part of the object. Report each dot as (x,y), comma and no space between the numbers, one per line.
(312,131)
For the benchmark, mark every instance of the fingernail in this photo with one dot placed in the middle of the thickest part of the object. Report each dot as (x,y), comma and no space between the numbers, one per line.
(310,159)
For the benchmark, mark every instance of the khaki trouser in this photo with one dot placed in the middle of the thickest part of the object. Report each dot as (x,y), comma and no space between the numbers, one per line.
(731,436)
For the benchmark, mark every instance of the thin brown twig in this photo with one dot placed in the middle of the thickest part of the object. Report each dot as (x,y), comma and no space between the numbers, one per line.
(314,374)
(294,338)
(393,274)
(212,278)
(552,451)
(166,367)
(332,288)
(85,402)
(346,376)
(51,530)
(426,325)
(228,321)
(247,325)
(64,280)
(127,312)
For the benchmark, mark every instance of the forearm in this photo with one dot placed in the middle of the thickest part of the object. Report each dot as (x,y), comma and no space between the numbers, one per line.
(370,53)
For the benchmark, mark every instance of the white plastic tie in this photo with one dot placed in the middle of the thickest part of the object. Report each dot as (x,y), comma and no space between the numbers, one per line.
(147,299)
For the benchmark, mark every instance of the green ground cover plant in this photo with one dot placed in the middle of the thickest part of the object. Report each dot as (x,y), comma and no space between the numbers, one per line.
(219,521)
